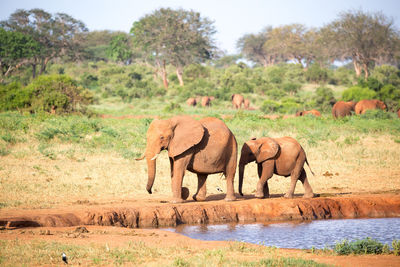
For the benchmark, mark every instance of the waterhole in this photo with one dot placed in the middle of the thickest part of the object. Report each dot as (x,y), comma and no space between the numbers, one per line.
(302,235)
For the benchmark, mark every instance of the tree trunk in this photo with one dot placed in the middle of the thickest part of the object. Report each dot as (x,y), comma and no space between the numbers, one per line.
(366,71)
(33,70)
(164,75)
(357,68)
(179,73)
(44,64)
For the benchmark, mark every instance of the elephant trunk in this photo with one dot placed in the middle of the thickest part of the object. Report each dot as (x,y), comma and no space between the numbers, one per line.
(151,169)
(241,172)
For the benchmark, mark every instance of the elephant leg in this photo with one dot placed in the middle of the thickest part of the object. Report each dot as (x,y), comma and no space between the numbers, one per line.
(308,192)
(179,168)
(266,188)
(201,188)
(230,171)
(267,170)
(295,175)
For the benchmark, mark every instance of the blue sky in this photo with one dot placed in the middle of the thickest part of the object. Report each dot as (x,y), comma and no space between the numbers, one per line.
(232,18)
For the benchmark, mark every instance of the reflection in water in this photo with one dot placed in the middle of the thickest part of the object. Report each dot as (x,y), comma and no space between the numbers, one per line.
(301,234)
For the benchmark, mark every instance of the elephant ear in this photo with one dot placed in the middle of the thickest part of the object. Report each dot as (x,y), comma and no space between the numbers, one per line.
(265,148)
(188,132)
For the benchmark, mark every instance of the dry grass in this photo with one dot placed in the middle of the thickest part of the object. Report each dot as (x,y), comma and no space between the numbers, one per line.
(31,180)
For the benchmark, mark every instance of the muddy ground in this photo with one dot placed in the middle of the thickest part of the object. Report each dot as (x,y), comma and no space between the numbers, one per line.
(118,223)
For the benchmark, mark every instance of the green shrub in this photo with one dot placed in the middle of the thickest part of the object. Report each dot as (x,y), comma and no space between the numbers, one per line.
(270,106)
(316,74)
(396,247)
(323,99)
(58,92)
(357,93)
(363,246)
(13,97)
(377,114)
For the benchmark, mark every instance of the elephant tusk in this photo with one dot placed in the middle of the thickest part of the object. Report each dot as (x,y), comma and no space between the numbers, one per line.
(153,158)
(142,157)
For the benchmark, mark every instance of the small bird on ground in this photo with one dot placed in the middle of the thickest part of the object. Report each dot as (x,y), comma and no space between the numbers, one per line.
(219,189)
(64,258)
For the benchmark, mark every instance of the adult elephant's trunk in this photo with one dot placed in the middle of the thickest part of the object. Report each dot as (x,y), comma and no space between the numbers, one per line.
(151,169)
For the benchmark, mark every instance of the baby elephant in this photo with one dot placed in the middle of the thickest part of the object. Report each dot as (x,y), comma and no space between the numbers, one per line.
(282,156)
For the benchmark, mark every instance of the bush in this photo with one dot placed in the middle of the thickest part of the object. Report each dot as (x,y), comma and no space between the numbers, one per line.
(316,74)
(58,92)
(376,114)
(357,93)
(12,97)
(363,246)
(323,99)
(270,106)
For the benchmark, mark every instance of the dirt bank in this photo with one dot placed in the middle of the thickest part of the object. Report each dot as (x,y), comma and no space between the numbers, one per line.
(142,214)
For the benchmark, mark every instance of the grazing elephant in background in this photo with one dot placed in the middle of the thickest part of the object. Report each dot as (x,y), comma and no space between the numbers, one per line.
(314,112)
(342,109)
(202,147)
(398,113)
(282,156)
(206,101)
(191,101)
(237,100)
(246,103)
(363,105)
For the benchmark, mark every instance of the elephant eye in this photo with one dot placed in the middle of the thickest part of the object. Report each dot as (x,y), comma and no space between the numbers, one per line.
(162,137)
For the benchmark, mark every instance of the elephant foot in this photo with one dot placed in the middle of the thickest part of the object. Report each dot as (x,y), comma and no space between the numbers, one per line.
(310,195)
(185,193)
(260,196)
(287,195)
(199,198)
(230,198)
(177,200)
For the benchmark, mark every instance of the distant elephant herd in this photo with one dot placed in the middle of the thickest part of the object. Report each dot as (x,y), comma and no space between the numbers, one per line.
(208,146)
(339,110)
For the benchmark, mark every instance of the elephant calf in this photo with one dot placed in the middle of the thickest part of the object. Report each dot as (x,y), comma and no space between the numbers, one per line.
(282,156)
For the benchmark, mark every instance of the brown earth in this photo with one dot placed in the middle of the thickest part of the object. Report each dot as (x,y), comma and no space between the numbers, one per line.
(143,213)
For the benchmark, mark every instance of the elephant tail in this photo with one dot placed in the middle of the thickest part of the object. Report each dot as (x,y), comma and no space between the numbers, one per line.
(309,167)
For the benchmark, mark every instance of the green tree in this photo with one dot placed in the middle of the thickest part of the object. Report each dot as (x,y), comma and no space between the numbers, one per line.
(16,49)
(57,34)
(119,48)
(364,38)
(177,37)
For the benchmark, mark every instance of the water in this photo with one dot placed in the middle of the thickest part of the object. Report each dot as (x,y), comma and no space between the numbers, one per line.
(302,235)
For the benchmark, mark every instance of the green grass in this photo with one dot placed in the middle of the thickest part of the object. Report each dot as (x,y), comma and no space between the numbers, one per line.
(18,253)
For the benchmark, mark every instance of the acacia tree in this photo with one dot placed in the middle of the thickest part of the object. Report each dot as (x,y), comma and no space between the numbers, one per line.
(362,37)
(16,49)
(176,37)
(56,34)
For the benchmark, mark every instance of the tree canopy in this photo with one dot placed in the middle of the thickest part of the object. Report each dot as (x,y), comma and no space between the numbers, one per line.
(57,34)
(177,37)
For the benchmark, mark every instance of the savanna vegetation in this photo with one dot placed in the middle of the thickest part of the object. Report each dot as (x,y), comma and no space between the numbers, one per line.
(76,104)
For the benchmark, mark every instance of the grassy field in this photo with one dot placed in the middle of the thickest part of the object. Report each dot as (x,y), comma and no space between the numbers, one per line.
(49,161)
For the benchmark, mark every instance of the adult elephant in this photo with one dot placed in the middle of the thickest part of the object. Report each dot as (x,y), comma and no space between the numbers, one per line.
(282,156)
(363,105)
(237,101)
(342,109)
(206,101)
(191,101)
(313,112)
(202,147)
(398,113)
